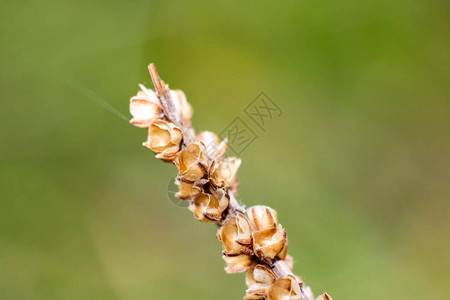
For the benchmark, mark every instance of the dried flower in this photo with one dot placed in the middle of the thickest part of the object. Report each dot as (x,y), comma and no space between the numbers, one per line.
(224,172)
(164,139)
(258,279)
(269,239)
(269,243)
(237,263)
(145,108)
(187,191)
(235,236)
(182,106)
(262,217)
(207,208)
(324,297)
(192,163)
(208,138)
(214,148)
(286,288)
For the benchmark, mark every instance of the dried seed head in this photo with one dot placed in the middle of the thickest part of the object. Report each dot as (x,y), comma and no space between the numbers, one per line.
(262,217)
(207,208)
(324,297)
(237,263)
(269,243)
(164,139)
(182,106)
(236,236)
(224,172)
(191,163)
(258,279)
(254,243)
(187,191)
(286,288)
(145,108)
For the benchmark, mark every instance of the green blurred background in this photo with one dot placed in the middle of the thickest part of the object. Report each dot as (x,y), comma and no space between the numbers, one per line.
(358,166)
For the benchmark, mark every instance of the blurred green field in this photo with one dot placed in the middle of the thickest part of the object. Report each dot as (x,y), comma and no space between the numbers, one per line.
(358,166)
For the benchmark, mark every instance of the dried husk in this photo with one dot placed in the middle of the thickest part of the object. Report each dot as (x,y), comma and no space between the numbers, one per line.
(207,208)
(145,108)
(269,243)
(262,217)
(283,253)
(164,139)
(222,173)
(188,191)
(208,138)
(237,263)
(258,279)
(324,297)
(286,288)
(192,163)
(214,148)
(236,236)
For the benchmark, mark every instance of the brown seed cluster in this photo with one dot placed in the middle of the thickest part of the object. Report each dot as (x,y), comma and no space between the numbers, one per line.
(252,239)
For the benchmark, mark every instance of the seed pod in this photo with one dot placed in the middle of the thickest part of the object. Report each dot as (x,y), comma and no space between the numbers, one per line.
(236,236)
(214,148)
(258,279)
(224,172)
(237,263)
(207,208)
(191,163)
(324,297)
(145,108)
(182,106)
(269,243)
(262,217)
(286,288)
(164,139)
(208,138)
(187,191)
